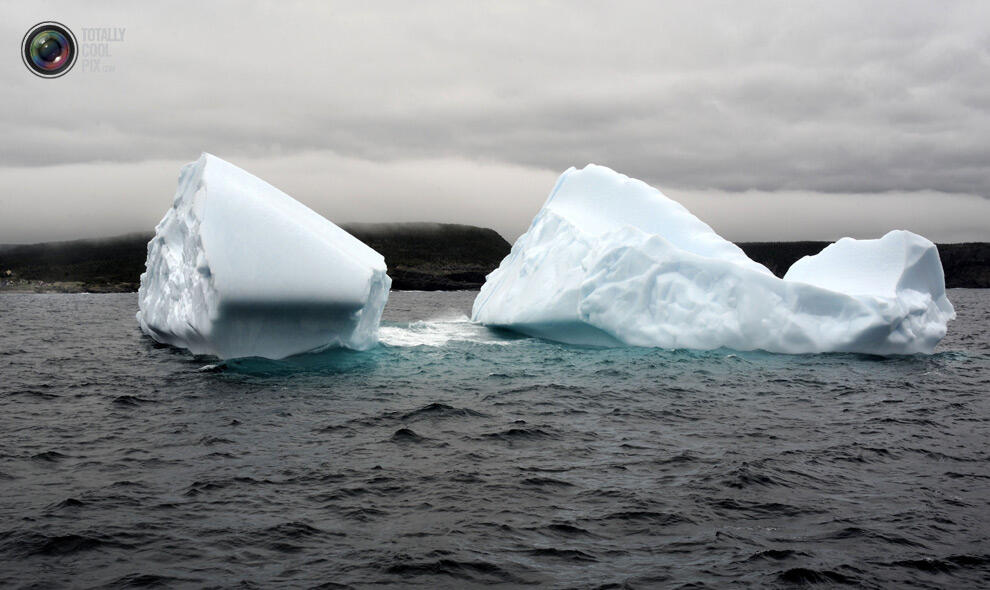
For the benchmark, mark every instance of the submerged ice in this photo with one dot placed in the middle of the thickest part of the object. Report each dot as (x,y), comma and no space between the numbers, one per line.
(238,268)
(609,260)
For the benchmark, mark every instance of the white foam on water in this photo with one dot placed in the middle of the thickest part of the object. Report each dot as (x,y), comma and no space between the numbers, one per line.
(438,332)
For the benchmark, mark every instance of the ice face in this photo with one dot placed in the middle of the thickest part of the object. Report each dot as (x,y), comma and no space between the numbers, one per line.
(238,268)
(610,260)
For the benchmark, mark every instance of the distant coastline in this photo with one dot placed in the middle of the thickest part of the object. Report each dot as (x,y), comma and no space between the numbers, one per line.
(420,256)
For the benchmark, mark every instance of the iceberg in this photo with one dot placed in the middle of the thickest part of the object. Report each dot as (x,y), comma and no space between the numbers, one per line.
(612,261)
(237,268)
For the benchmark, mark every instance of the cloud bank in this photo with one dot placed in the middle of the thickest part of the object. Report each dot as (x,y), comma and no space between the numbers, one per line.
(775,120)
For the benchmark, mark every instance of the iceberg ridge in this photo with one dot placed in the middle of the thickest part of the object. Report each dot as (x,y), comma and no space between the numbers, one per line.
(610,260)
(238,268)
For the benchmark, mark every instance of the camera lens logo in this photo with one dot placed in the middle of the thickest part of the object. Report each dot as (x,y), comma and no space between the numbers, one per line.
(49,49)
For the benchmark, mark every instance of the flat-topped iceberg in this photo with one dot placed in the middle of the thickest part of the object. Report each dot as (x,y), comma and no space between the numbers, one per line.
(238,268)
(609,260)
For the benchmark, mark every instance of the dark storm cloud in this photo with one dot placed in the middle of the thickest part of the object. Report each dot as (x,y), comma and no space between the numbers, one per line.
(839,97)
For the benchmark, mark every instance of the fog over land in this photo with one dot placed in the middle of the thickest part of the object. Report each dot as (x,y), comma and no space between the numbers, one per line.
(770,121)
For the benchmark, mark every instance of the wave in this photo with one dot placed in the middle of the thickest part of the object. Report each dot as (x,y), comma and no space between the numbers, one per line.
(440,331)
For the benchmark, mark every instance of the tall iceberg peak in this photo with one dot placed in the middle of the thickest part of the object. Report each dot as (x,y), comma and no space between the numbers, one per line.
(609,260)
(238,268)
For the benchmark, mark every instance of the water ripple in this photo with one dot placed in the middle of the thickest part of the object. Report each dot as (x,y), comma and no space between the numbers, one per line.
(457,456)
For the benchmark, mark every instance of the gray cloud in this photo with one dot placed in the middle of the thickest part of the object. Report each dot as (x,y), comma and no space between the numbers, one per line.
(784,98)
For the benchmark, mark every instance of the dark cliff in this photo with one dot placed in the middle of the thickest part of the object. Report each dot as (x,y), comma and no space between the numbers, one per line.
(434,256)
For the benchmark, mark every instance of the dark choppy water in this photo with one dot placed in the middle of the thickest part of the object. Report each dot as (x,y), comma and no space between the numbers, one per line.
(456,457)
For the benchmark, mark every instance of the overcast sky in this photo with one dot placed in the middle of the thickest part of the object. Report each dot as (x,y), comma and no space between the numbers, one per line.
(781,120)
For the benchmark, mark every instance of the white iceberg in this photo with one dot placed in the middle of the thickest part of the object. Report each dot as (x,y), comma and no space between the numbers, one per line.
(610,260)
(238,268)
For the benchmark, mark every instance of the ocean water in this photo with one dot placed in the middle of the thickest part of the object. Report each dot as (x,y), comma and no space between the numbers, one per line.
(454,456)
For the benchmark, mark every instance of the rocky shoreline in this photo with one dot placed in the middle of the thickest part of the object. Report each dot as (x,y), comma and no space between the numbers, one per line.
(34,286)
